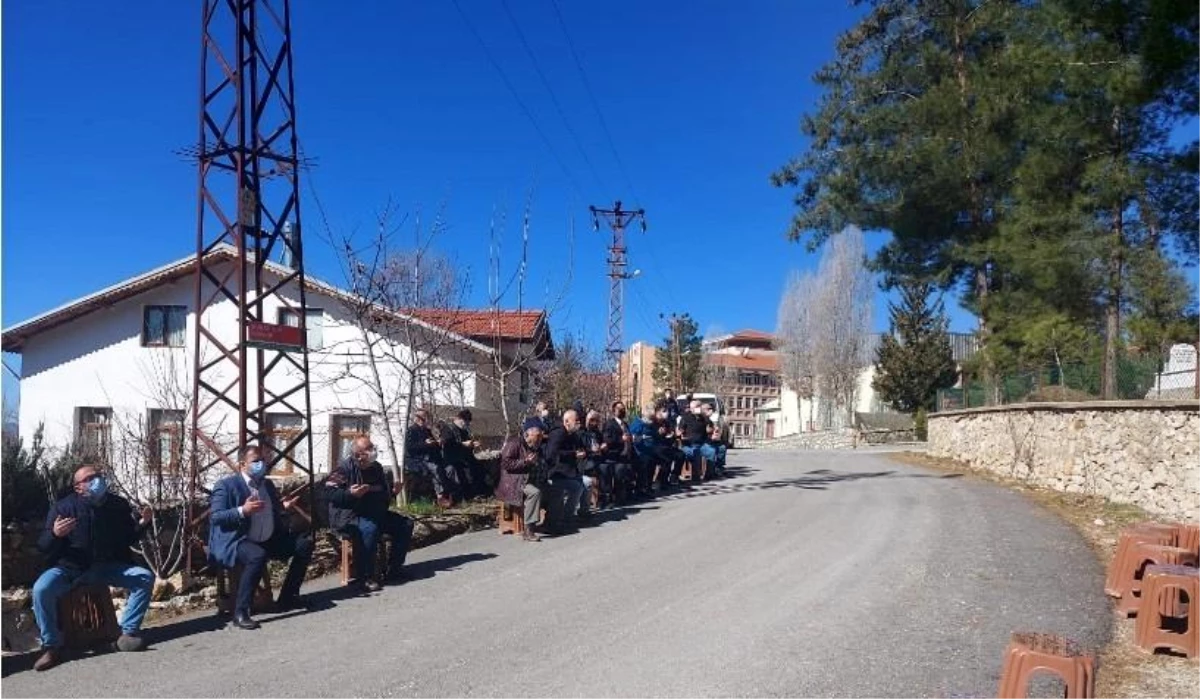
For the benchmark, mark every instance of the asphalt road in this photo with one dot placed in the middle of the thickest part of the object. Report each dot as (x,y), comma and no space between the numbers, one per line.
(808,574)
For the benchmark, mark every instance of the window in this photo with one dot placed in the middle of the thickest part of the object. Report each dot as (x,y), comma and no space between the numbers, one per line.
(344,429)
(282,429)
(93,434)
(314,325)
(166,439)
(163,326)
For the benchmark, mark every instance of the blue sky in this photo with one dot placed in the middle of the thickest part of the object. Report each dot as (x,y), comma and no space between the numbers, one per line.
(397,101)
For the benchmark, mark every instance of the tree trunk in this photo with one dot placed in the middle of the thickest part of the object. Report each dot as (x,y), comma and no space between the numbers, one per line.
(381,407)
(1112,309)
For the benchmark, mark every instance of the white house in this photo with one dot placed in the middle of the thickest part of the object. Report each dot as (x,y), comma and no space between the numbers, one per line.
(117,364)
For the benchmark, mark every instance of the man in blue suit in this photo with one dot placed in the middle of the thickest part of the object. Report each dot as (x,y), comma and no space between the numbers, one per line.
(247,527)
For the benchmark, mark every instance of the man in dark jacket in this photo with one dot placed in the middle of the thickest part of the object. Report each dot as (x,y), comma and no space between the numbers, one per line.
(522,477)
(694,429)
(86,541)
(360,492)
(564,454)
(619,451)
(459,446)
(423,455)
(247,526)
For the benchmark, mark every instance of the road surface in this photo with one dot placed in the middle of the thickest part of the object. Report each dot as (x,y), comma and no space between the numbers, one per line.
(807,574)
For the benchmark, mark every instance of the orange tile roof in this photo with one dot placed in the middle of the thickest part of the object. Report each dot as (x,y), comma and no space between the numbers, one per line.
(489,325)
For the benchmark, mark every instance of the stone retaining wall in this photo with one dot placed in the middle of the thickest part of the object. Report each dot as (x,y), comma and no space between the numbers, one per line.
(1146,453)
(827,439)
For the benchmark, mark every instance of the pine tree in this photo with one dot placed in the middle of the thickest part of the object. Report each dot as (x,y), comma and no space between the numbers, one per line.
(682,349)
(914,359)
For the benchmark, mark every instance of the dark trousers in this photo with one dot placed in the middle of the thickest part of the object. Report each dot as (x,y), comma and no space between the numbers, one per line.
(253,558)
(470,478)
(366,534)
(670,459)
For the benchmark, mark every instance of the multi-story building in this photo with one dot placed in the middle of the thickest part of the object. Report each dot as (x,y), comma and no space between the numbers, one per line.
(637,367)
(742,368)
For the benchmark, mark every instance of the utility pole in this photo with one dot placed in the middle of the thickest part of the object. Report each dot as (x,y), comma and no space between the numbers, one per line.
(676,358)
(617,219)
(248,204)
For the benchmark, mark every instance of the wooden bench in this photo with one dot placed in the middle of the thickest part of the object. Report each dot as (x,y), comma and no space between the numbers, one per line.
(228,581)
(87,617)
(511,520)
(346,547)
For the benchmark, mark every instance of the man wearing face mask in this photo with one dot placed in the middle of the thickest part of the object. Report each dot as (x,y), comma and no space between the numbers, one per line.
(86,541)
(246,526)
(359,492)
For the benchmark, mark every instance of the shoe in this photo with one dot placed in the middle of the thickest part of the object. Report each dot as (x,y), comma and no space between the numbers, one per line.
(290,604)
(528,535)
(243,621)
(372,586)
(129,643)
(445,502)
(48,659)
(396,578)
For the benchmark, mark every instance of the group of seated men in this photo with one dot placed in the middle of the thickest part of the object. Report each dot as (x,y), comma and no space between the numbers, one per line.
(90,531)
(445,454)
(553,465)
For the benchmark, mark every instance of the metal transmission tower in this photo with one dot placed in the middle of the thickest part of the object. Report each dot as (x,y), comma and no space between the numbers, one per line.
(617,220)
(249,200)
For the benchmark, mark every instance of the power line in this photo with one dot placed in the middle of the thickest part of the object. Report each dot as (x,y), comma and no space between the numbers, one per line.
(520,102)
(595,104)
(553,97)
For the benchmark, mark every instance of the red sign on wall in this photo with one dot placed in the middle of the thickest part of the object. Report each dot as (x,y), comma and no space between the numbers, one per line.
(272,336)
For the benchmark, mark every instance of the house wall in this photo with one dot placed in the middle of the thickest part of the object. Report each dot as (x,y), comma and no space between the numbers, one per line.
(98,360)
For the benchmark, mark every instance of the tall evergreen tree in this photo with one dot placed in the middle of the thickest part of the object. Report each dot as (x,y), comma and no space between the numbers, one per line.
(914,359)
(677,363)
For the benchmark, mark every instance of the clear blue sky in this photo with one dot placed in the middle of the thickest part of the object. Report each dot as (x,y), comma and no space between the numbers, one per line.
(398,101)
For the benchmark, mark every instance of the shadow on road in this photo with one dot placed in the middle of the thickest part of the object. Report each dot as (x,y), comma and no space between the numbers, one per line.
(813,480)
(430,568)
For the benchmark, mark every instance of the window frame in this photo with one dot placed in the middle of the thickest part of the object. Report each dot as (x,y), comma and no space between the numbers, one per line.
(155,429)
(103,452)
(168,310)
(337,435)
(271,430)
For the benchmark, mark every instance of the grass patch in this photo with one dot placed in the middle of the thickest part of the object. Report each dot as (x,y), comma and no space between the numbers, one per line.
(1124,670)
(421,507)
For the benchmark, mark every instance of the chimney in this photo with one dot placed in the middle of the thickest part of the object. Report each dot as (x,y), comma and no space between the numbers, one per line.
(285,254)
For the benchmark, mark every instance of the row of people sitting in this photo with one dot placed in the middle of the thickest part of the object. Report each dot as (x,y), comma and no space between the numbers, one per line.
(553,466)
(90,532)
(444,453)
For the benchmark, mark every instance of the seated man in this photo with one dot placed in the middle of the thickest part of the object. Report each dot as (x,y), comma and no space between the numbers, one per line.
(694,429)
(360,492)
(459,447)
(423,455)
(564,455)
(619,452)
(666,447)
(717,468)
(86,541)
(522,477)
(644,434)
(246,527)
(597,467)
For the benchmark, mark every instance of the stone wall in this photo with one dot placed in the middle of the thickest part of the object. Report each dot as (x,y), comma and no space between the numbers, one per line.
(826,439)
(1146,453)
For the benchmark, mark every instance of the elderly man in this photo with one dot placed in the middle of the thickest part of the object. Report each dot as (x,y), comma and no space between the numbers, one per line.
(522,477)
(565,453)
(459,448)
(86,541)
(360,492)
(423,455)
(247,526)
(619,451)
(694,429)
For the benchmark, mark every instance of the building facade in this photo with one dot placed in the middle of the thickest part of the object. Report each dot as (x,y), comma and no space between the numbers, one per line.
(637,381)
(742,368)
(110,375)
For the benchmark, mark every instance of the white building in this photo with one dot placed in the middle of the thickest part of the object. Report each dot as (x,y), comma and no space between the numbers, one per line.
(117,364)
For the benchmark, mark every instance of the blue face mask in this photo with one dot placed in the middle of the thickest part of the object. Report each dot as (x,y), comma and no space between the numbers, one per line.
(97,488)
(258,470)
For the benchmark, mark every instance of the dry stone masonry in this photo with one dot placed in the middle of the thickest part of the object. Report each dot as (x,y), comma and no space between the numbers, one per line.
(1145,453)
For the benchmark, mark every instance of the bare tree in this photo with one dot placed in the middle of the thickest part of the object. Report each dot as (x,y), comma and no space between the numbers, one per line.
(823,327)
(406,304)
(517,358)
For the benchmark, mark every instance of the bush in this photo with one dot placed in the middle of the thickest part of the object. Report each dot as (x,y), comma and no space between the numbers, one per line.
(30,484)
(921,425)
